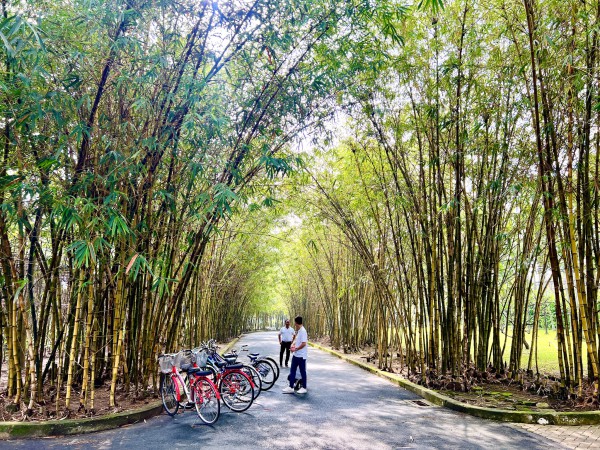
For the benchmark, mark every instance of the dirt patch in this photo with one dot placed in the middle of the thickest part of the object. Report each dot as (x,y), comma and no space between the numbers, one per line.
(508,395)
(501,396)
(48,410)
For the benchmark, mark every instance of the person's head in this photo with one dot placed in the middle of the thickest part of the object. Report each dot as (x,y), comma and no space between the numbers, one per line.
(298,322)
(287,323)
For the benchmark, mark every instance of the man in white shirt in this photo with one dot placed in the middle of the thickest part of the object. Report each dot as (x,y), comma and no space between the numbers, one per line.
(286,336)
(300,350)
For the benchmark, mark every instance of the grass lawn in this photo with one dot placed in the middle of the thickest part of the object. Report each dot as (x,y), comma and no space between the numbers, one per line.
(547,352)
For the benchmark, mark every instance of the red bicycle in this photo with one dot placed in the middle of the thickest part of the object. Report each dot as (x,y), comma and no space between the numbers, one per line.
(235,386)
(197,387)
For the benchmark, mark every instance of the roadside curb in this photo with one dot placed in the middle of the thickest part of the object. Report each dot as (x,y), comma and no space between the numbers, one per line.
(21,430)
(502,415)
(24,430)
(230,344)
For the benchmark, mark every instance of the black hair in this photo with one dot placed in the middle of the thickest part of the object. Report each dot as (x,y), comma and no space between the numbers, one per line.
(298,320)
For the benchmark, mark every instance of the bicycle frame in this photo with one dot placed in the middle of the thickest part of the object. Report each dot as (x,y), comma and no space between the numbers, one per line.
(231,379)
(193,378)
(180,382)
(252,357)
(255,359)
(222,371)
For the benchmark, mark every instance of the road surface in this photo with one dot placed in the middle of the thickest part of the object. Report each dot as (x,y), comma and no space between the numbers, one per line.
(345,408)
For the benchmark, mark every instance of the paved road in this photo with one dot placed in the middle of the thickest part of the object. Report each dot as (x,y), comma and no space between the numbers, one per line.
(345,408)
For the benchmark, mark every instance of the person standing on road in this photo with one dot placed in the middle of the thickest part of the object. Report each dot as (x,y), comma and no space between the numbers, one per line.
(300,351)
(286,335)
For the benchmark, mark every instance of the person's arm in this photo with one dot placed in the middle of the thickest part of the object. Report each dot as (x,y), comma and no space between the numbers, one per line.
(293,344)
(279,336)
(302,345)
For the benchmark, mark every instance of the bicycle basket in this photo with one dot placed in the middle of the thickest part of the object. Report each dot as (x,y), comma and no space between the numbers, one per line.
(183,357)
(165,363)
(201,357)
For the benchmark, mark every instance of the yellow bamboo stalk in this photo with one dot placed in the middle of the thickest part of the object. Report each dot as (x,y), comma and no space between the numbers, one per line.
(583,306)
(88,339)
(31,355)
(577,367)
(15,355)
(58,387)
(115,368)
(59,375)
(92,389)
(74,340)
(118,339)
(11,364)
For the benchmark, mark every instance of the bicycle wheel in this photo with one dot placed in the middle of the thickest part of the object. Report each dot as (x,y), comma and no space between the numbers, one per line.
(267,373)
(207,401)
(169,394)
(274,364)
(255,377)
(236,391)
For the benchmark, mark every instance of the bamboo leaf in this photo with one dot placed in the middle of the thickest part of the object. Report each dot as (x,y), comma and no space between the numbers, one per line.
(131,263)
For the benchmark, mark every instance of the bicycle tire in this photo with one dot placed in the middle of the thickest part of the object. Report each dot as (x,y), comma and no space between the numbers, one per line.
(256,379)
(208,406)
(236,391)
(267,373)
(168,394)
(274,363)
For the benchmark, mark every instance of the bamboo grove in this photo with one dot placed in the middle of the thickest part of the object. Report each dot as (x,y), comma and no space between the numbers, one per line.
(464,195)
(136,136)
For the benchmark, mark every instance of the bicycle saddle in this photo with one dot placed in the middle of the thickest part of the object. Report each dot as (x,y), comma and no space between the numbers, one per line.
(195,370)
(234,366)
(200,372)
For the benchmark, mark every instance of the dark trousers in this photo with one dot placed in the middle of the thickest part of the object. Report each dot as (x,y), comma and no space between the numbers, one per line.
(285,347)
(298,362)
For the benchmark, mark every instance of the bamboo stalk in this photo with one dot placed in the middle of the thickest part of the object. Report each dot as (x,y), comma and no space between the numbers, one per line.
(86,349)
(74,338)
(118,334)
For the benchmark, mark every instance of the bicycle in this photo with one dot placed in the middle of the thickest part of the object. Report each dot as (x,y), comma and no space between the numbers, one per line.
(266,367)
(235,387)
(199,389)
(250,371)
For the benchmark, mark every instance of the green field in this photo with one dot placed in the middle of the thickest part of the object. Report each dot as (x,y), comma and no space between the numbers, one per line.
(547,352)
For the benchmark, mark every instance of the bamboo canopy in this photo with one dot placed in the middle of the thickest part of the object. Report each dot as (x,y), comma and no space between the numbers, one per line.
(422,180)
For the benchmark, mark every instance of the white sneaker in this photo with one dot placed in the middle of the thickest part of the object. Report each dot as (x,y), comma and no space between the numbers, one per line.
(287,390)
(301,391)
